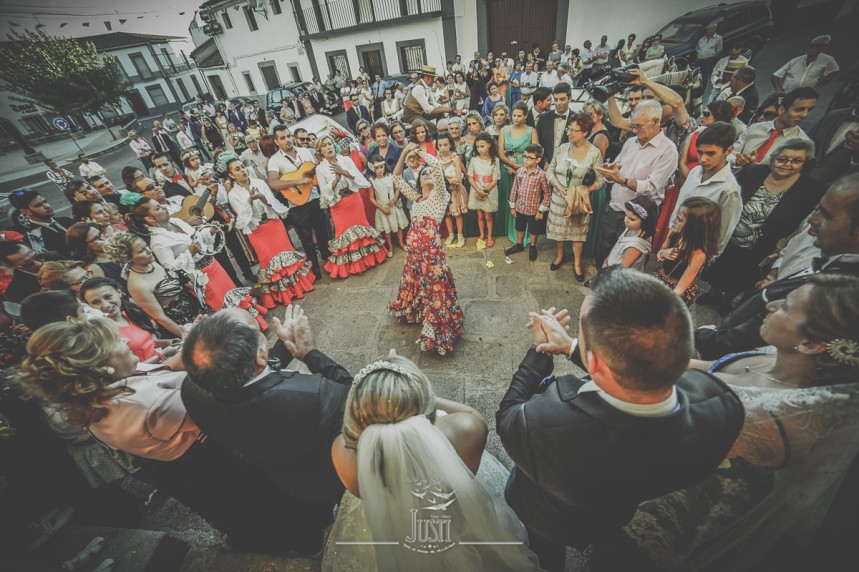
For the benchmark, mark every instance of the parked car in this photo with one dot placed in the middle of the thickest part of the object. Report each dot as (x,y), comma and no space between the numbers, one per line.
(321,125)
(333,102)
(749,22)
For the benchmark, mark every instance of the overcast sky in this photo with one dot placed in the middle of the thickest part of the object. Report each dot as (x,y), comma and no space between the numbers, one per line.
(144,16)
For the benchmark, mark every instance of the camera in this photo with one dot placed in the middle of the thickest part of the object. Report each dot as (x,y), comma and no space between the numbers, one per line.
(614,80)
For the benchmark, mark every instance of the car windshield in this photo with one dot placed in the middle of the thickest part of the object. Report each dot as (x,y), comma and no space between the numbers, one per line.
(275,97)
(679,31)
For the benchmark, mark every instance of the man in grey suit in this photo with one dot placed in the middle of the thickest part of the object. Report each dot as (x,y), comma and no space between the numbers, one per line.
(836,144)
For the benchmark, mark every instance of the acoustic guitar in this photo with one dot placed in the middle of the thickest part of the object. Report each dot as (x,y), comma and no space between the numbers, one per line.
(197,206)
(300,194)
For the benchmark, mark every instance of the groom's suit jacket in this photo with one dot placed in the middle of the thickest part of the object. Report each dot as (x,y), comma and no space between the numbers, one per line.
(582,466)
(283,424)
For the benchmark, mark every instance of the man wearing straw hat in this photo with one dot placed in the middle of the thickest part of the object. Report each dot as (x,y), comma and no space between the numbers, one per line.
(420,101)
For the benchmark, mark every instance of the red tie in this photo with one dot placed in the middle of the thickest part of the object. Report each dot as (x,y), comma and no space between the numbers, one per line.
(764,149)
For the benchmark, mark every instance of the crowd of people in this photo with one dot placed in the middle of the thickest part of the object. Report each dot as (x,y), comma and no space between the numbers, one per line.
(140,350)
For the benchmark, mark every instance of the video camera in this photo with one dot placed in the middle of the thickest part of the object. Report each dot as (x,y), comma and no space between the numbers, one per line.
(606,81)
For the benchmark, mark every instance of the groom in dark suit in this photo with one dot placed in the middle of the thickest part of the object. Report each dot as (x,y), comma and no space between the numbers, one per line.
(836,145)
(280,421)
(588,451)
(552,124)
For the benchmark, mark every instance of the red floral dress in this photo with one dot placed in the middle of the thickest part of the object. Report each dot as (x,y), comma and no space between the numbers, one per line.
(427,292)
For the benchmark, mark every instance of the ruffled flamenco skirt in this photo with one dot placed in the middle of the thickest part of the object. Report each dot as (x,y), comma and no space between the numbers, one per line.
(427,292)
(284,273)
(356,246)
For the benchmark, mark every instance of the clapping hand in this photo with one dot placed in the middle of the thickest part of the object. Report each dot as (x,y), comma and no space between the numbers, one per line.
(295,332)
(744,159)
(550,330)
(610,171)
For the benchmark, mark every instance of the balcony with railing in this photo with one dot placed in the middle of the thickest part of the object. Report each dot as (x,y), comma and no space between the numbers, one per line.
(318,16)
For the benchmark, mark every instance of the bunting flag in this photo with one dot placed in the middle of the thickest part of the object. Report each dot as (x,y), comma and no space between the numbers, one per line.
(64,24)
(39,26)
(121,21)
(85,24)
(14,24)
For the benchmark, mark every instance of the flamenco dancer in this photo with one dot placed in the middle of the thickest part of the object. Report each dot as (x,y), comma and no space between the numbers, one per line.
(356,245)
(284,273)
(427,293)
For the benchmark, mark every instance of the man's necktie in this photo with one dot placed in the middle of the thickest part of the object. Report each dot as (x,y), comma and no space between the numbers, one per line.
(762,151)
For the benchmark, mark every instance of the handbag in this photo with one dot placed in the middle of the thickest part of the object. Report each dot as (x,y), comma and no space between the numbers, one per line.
(578,201)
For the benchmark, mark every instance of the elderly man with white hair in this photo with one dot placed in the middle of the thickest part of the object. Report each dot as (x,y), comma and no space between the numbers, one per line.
(643,167)
(815,69)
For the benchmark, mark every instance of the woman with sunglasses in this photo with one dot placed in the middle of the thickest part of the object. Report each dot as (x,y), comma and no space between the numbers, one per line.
(86,244)
(390,106)
(365,137)
(776,199)
(715,111)
(768,110)
(656,49)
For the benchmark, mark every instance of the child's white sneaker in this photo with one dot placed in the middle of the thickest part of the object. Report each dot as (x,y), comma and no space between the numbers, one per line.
(449,240)
(461,241)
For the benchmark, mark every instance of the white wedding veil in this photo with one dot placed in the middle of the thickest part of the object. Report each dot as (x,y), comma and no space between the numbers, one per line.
(408,473)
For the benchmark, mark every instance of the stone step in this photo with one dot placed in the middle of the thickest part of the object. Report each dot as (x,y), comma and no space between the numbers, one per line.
(214,560)
(132,550)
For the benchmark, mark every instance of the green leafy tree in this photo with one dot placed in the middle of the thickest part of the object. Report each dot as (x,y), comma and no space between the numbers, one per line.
(63,75)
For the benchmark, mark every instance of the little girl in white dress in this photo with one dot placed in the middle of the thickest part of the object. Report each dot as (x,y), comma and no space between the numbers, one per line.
(386,198)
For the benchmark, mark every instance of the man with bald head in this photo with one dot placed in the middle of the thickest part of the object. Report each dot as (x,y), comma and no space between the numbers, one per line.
(278,420)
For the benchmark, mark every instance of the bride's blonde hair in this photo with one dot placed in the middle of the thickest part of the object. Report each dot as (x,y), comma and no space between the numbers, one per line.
(389,390)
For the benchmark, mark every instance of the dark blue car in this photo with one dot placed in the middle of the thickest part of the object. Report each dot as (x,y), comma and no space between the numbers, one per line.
(749,22)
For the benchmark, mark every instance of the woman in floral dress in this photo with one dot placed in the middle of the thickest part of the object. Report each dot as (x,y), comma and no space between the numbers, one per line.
(427,292)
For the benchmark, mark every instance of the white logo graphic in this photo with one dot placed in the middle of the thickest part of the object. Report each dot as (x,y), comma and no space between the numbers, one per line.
(430,531)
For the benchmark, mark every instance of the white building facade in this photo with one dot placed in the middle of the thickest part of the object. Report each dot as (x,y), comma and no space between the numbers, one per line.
(160,81)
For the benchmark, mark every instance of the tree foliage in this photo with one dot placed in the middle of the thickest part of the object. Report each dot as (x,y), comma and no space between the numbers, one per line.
(63,75)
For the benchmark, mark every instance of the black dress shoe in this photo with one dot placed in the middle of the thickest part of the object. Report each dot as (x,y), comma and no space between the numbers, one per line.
(579,277)
(554,266)
(514,249)
(532,253)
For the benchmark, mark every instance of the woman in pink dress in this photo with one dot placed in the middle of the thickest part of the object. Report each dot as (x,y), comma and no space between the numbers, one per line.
(356,245)
(284,273)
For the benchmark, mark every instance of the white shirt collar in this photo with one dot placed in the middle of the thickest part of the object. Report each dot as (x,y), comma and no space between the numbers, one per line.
(719,177)
(264,373)
(661,409)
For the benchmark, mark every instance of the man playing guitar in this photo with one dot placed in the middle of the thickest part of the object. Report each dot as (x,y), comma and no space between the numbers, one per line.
(307,218)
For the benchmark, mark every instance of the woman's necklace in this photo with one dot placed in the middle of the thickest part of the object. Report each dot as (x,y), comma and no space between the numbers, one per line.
(150,271)
(750,369)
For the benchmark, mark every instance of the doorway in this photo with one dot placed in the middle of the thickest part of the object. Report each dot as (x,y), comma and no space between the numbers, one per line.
(218,87)
(372,58)
(525,23)
(136,101)
(269,75)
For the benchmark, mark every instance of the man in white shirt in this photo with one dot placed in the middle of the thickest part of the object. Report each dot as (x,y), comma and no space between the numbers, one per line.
(420,101)
(254,159)
(458,66)
(564,74)
(814,70)
(169,125)
(712,179)
(567,55)
(738,104)
(89,168)
(588,58)
(309,217)
(645,164)
(152,190)
(549,78)
(756,143)
(708,49)
(184,140)
(529,80)
(601,51)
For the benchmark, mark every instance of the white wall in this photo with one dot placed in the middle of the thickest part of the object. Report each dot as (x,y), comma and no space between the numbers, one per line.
(388,34)
(619,18)
(466,28)
(276,40)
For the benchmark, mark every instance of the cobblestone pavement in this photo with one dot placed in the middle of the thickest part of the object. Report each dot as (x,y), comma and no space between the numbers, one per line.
(350,322)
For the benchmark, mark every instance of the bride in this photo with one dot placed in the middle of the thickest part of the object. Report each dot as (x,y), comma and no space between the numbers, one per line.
(412,459)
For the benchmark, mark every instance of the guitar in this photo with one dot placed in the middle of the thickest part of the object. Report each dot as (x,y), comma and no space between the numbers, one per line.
(197,206)
(299,194)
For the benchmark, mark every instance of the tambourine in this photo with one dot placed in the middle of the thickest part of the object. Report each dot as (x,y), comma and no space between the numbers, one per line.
(211,244)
